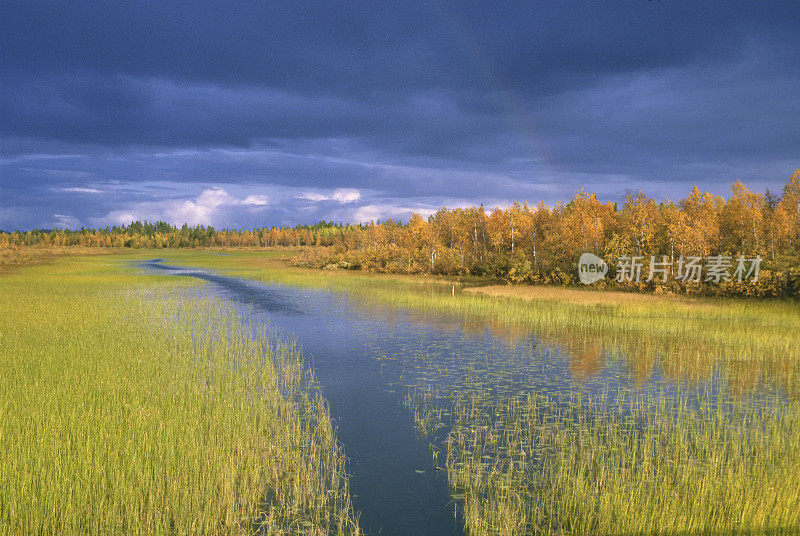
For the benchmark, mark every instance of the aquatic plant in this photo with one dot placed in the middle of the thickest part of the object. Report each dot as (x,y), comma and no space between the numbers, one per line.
(717,456)
(577,466)
(131,405)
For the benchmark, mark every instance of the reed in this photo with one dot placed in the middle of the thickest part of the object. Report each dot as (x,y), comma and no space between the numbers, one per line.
(718,455)
(130,405)
(543,466)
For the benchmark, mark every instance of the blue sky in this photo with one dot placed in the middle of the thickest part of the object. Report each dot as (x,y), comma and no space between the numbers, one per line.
(243,114)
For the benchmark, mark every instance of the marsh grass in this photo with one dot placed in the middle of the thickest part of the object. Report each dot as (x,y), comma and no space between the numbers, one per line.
(667,458)
(12,258)
(129,406)
(634,463)
(576,466)
(755,340)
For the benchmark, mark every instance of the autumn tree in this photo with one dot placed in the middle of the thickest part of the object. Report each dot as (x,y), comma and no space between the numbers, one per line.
(791,204)
(697,229)
(641,223)
(742,221)
(587,223)
(498,229)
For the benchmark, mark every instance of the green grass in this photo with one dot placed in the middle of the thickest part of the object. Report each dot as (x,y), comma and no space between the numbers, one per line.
(655,464)
(129,406)
(14,258)
(669,459)
(541,466)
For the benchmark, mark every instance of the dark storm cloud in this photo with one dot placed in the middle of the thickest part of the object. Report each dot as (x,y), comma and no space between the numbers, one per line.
(331,46)
(111,109)
(120,110)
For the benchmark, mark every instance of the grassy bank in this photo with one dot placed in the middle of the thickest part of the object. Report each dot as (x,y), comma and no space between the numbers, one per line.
(12,258)
(130,407)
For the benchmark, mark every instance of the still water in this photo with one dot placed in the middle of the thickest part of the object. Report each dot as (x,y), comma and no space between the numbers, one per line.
(368,358)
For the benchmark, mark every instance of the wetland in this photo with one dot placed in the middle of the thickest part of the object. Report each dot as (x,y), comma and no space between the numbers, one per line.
(474,422)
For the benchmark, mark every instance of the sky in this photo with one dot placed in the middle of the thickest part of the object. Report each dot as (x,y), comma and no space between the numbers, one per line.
(244,114)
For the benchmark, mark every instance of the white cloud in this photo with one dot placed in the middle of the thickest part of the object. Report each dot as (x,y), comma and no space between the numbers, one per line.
(200,210)
(82,190)
(119,217)
(256,200)
(375,212)
(313,196)
(205,209)
(65,221)
(346,195)
(341,195)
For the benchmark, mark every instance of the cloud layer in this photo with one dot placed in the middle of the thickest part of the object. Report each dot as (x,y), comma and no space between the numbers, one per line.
(205,209)
(274,113)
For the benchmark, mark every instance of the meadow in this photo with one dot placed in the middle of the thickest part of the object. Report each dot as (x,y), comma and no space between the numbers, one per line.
(133,405)
(102,364)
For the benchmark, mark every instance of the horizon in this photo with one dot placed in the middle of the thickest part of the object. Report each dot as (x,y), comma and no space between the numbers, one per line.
(427,215)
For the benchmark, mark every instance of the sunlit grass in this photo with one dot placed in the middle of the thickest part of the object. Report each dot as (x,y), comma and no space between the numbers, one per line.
(130,407)
(528,457)
(550,466)
(12,258)
(550,463)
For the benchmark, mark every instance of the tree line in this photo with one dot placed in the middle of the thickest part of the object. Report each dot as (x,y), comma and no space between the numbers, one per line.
(520,243)
(163,235)
(541,244)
